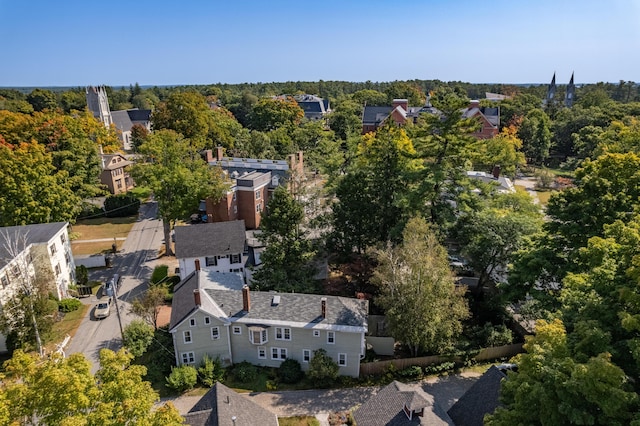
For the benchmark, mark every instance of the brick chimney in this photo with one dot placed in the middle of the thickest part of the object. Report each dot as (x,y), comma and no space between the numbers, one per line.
(207,155)
(196,297)
(219,153)
(246,299)
(474,104)
(496,172)
(404,103)
(197,263)
(323,307)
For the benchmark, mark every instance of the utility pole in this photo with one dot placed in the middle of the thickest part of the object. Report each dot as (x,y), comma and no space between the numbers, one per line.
(115,298)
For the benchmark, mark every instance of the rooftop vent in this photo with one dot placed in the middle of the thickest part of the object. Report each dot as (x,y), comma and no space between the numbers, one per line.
(275,301)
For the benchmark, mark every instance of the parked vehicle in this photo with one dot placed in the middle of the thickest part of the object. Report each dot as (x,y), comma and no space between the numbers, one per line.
(111,286)
(102,309)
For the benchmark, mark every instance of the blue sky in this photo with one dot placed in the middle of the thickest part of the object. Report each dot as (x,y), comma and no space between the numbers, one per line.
(77,43)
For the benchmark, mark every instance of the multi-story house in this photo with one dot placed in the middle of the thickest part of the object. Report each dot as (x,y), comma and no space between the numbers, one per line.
(218,247)
(265,328)
(35,252)
(115,173)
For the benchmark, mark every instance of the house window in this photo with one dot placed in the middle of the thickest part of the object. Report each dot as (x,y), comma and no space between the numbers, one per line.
(342,360)
(306,355)
(192,322)
(237,329)
(258,208)
(58,270)
(4,280)
(262,352)
(67,258)
(215,333)
(211,261)
(258,336)
(257,194)
(53,249)
(119,183)
(63,238)
(279,353)
(316,333)
(207,320)
(331,337)
(283,333)
(188,358)
(186,336)
(15,270)
(235,258)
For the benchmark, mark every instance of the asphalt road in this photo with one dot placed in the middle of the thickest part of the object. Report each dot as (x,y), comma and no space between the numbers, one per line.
(141,246)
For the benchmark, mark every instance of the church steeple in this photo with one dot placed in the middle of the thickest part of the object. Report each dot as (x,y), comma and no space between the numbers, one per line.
(570,95)
(551,90)
(99,104)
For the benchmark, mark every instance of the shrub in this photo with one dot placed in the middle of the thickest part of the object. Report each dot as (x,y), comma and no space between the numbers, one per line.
(82,275)
(439,368)
(322,368)
(290,371)
(413,372)
(210,371)
(121,205)
(138,336)
(68,305)
(245,372)
(182,378)
(159,273)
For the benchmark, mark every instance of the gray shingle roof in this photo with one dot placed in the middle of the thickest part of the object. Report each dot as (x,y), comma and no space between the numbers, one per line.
(375,114)
(386,408)
(122,120)
(35,234)
(481,398)
(220,405)
(293,307)
(139,114)
(210,239)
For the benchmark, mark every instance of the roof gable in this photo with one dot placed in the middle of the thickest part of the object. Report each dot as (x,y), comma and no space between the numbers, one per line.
(210,239)
(39,233)
(481,398)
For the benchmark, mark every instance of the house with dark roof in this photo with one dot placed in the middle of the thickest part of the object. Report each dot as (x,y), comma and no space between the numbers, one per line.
(218,247)
(222,406)
(398,404)
(314,107)
(40,251)
(124,121)
(264,328)
(482,398)
(399,111)
(115,173)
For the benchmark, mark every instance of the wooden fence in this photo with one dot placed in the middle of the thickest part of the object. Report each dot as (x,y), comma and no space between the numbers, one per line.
(485,354)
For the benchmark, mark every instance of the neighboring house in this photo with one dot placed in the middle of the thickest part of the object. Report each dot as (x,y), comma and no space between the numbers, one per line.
(39,251)
(504,184)
(399,111)
(222,406)
(489,118)
(264,328)
(314,107)
(218,247)
(398,404)
(124,120)
(252,183)
(115,174)
(482,398)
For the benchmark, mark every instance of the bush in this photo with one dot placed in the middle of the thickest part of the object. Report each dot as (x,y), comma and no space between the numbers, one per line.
(159,273)
(322,368)
(439,368)
(82,275)
(138,336)
(413,372)
(210,371)
(182,378)
(290,371)
(121,205)
(69,305)
(245,372)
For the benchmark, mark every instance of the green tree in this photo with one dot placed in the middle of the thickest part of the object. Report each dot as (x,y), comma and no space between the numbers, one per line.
(564,392)
(31,190)
(286,261)
(139,134)
(177,176)
(182,378)
(370,98)
(424,308)
(535,134)
(186,113)
(403,90)
(346,120)
(138,336)
(42,99)
(270,114)
(502,150)
(148,305)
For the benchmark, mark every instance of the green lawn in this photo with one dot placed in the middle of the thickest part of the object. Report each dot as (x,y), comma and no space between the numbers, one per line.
(100,228)
(298,421)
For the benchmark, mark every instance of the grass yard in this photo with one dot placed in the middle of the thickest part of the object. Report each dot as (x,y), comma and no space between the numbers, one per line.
(69,325)
(298,421)
(100,228)
(543,196)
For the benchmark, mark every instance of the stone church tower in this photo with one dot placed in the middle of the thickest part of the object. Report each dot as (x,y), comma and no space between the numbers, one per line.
(570,96)
(99,104)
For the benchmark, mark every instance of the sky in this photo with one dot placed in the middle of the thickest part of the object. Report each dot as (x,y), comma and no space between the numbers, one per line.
(161,42)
